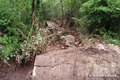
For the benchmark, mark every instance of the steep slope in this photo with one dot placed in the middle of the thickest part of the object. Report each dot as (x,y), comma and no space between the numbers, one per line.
(73,59)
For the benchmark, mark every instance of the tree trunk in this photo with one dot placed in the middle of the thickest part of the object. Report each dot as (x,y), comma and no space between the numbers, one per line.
(33,12)
(61,1)
(38,4)
(15,3)
(71,10)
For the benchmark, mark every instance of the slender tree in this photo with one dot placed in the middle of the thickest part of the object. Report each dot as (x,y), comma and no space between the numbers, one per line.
(33,12)
(15,3)
(61,2)
(38,5)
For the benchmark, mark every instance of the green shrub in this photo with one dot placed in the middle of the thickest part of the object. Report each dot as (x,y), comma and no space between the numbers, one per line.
(101,13)
(14,25)
(112,38)
(10,44)
(30,47)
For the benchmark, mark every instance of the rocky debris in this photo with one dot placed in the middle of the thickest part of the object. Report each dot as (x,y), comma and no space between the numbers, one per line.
(114,48)
(53,29)
(88,61)
(87,43)
(100,46)
(69,40)
(54,26)
(107,47)
(51,24)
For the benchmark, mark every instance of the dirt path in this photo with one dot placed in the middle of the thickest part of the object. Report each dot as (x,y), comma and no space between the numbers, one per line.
(73,59)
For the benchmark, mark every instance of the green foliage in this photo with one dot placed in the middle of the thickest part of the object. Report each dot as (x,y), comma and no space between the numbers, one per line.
(109,37)
(14,24)
(72,7)
(112,38)
(101,13)
(31,46)
(101,17)
(52,8)
(10,44)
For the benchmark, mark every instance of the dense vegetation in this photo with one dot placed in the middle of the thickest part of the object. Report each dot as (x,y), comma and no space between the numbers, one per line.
(20,20)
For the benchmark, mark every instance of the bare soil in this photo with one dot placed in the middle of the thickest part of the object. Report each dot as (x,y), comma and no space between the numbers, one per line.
(12,71)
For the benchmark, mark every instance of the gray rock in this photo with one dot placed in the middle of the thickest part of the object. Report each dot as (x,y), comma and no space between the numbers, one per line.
(72,64)
(69,40)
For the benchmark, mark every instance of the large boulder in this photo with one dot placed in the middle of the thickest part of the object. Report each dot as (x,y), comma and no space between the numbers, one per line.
(74,64)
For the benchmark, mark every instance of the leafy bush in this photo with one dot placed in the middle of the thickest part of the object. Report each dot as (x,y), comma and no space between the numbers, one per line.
(31,46)
(14,24)
(101,13)
(10,44)
(112,38)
